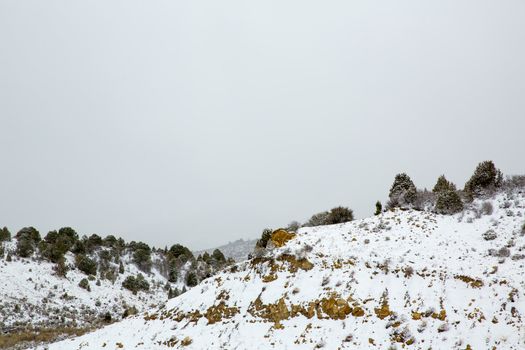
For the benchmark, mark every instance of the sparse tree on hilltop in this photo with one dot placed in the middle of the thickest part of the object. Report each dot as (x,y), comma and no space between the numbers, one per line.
(486,179)
(403,192)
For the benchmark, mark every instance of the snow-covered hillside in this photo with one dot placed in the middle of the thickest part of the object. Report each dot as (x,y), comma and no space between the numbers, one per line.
(402,279)
(32,294)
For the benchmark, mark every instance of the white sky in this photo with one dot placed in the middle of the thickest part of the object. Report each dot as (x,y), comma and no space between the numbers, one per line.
(200,122)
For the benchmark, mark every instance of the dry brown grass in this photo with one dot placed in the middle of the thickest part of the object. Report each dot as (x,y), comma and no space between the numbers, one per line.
(45,335)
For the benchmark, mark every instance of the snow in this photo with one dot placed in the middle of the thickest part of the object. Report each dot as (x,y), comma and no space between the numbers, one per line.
(457,294)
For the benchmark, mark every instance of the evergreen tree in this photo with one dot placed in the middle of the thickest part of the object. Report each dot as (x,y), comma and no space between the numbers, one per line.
(448,202)
(486,179)
(218,256)
(5,235)
(379,208)
(443,185)
(403,191)
(27,238)
(191,279)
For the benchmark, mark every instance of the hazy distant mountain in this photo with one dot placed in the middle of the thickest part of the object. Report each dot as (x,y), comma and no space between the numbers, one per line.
(238,250)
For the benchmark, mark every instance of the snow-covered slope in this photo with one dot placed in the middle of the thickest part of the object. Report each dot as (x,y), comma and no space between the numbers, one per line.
(403,279)
(33,295)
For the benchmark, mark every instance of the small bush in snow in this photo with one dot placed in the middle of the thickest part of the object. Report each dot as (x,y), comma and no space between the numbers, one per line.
(191,279)
(318,219)
(84,283)
(337,215)
(265,237)
(86,265)
(136,284)
(293,226)
(487,208)
(379,208)
(489,235)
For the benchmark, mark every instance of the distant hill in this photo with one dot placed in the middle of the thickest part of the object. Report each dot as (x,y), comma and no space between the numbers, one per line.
(237,250)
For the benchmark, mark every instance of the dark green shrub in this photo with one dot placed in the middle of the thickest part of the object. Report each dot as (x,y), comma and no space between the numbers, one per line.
(84,283)
(265,237)
(180,252)
(172,271)
(60,267)
(218,256)
(486,179)
(5,235)
(206,258)
(93,242)
(191,279)
(110,241)
(136,284)
(339,215)
(173,293)
(56,244)
(79,247)
(403,192)
(86,265)
(27,239)
(443,185)
(141,255)
(379,208)
(448,202)
(121,268)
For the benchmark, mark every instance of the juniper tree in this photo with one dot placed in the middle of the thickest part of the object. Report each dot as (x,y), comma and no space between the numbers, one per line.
(486,178)
(403,191)
(379,208)
(5,235)
(443,184)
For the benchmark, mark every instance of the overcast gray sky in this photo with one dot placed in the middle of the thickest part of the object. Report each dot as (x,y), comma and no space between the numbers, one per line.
(201,122)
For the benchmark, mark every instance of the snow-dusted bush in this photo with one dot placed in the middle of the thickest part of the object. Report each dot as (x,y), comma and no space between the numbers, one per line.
(443,185)
(337,215)
(141,255)
(489,235)
(293,226)
(379,208)
(27,238)
(136,284)
(485,180)
(403,192)
(191,279)
(86,265)
(318,219)
(84,284)
(448,202)
(265,237)
(487,208)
